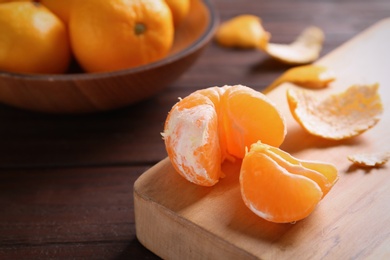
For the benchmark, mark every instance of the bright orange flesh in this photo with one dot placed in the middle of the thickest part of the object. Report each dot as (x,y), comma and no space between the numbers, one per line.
(281,188)
(247,117)
(214,124)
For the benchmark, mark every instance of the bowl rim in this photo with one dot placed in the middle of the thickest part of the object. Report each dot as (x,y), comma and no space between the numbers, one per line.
(198,43)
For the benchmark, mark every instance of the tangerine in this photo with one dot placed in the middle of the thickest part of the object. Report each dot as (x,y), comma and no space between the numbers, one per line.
(61,8)
(179,9)
(119,34)
(214,124)
(32,39)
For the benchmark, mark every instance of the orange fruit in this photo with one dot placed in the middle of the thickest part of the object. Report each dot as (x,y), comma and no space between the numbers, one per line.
(280,188)
(32,39)
(337,116)
(7,1)
(61,8)
(109,35)
(179,9)
(218,123)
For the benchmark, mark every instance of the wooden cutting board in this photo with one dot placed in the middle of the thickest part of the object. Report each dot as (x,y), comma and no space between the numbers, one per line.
(179,220)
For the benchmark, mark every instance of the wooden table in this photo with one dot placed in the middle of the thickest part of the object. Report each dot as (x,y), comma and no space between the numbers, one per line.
(66,182)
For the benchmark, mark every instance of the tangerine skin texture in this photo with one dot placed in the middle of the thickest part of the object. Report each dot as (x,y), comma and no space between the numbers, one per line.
(216,124)
(117,42)
(32,39)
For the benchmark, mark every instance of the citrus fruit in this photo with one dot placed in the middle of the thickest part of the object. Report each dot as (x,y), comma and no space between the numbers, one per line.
(218,123)
(179,9)
(308,76)
(61,8)
(243,31)
(280,188)
(7,1)
(117,34)
(32,39)
(337,116)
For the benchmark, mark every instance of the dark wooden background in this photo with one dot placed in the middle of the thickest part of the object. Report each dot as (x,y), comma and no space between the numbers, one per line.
(66,182)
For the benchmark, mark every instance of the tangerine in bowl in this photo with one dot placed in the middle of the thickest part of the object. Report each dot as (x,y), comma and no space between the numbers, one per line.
(78,91)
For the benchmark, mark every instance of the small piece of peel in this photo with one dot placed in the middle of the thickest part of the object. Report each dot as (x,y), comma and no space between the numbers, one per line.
(370,159)
(308,76)
(246,32)
(305,49)
(337,116)
(243,31)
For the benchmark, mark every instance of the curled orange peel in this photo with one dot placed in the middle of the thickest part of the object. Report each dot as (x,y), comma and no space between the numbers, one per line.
(308,76)
(246,31)
(336,116)
(243,31)
(305,49)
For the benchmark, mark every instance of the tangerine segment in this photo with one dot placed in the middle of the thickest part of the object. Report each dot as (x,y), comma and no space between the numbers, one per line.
(272,193)
(249,116)
(215,124)
(192,141)
(308,76)
(324,174)
(338,116)
(278,190)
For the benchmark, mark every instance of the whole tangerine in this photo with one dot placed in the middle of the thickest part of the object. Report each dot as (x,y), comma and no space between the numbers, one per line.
(118,34)
(32,39)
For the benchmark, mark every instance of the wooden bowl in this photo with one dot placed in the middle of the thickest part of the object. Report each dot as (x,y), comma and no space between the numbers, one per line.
(92,92)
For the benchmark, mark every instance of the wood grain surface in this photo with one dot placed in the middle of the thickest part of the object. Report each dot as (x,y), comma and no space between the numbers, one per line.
(214,222)
(66,182)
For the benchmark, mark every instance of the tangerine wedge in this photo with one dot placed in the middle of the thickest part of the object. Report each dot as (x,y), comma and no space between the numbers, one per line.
(280,188)
(218,123)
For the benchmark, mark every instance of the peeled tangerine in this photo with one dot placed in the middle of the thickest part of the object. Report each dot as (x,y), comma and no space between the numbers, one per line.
(281,188)
(217,123)
(246,31)
(337,116)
